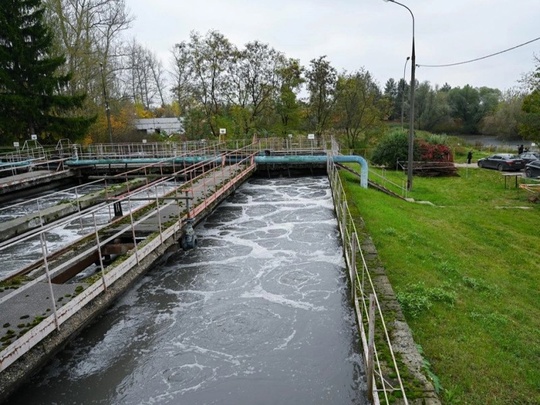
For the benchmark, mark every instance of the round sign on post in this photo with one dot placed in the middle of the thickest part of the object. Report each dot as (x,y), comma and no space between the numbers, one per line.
(223,131)
(33,137)
(144,141)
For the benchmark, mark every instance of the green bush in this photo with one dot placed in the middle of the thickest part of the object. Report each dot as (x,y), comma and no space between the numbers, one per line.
(393,148)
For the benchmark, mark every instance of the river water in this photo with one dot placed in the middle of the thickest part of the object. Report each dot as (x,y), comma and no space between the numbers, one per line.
(257,314)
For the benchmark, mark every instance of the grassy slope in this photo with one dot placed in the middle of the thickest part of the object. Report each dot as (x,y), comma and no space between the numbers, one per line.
(485,346)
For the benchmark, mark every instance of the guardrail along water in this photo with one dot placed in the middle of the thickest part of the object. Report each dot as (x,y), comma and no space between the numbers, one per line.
(258,313)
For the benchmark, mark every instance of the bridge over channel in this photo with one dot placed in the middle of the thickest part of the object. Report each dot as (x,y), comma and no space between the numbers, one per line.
(142,226)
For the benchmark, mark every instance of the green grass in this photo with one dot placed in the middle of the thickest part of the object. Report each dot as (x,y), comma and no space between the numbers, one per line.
(466,271)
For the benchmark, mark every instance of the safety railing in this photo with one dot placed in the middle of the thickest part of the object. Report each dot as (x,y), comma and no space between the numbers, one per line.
(209,178)
(384,181)
(155,150)
(79,197)
(32,156)
(367,306)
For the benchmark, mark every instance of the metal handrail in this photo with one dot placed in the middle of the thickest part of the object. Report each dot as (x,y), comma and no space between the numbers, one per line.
(362,283)
(61,314)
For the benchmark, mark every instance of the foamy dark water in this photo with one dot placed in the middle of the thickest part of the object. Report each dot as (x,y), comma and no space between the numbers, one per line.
(257,314)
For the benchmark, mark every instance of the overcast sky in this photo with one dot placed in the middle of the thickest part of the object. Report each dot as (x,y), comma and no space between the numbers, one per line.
(373,34)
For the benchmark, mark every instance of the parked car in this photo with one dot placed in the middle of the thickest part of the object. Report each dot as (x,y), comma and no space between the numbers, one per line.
(529,157)
(532,169)
(502,161)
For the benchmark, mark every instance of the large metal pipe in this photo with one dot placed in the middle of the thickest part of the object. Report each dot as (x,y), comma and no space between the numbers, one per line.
(270,159)
(298,159)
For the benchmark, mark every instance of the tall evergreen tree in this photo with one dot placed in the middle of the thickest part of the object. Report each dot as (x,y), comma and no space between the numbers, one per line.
(31,99)
(391,92)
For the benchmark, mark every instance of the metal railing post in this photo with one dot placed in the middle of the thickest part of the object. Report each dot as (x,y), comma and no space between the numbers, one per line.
(99,253)
(344,217)
(40,216)
(45,253)
(133,230)
(370,354)
(107,199)
(158,215)
(78,208)
(353,266)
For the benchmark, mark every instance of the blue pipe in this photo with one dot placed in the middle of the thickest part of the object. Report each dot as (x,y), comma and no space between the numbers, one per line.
(292,159)
(285,159)
(16,164)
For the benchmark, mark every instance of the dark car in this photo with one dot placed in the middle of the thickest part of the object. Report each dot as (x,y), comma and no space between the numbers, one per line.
(529,157)
(502,161)
(532,169)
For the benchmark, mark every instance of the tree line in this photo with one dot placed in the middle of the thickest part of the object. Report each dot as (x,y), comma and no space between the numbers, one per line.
(63,61)
(465,110)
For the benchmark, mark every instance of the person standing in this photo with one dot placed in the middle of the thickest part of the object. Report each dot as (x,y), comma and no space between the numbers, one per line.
(469,157)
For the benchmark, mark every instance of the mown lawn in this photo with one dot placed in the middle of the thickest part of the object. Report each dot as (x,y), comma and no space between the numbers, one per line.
(467,273)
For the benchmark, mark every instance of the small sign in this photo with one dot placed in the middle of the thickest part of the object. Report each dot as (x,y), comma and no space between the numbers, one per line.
(33,137)
(311,136)
(144,141)
(290,136)
(15,144)
(223,131)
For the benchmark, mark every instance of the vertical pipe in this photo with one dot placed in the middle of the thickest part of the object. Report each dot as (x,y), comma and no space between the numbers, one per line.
(187,204)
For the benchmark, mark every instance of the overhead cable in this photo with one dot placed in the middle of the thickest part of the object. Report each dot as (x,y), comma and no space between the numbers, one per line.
(483,57)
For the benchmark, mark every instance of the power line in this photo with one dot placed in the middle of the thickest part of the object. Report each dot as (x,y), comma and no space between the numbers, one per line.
(483,57)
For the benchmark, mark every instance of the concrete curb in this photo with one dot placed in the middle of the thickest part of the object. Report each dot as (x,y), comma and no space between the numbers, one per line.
(400,333)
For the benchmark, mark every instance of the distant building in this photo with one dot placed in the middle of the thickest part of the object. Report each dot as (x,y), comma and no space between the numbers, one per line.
(159,125)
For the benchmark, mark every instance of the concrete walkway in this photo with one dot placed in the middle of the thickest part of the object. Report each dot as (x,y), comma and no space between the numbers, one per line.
(30,180)
(26,308)
(473,165)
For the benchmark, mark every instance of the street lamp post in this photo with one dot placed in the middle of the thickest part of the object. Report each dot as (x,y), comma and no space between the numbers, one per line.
(106,100)
(403,90)
(411,125)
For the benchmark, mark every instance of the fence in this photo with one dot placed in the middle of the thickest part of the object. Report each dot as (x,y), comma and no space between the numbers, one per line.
(366,303)
(212,180)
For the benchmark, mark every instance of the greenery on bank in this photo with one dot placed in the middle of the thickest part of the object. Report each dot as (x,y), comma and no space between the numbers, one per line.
(67,70)
(465,270)
(34,94)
